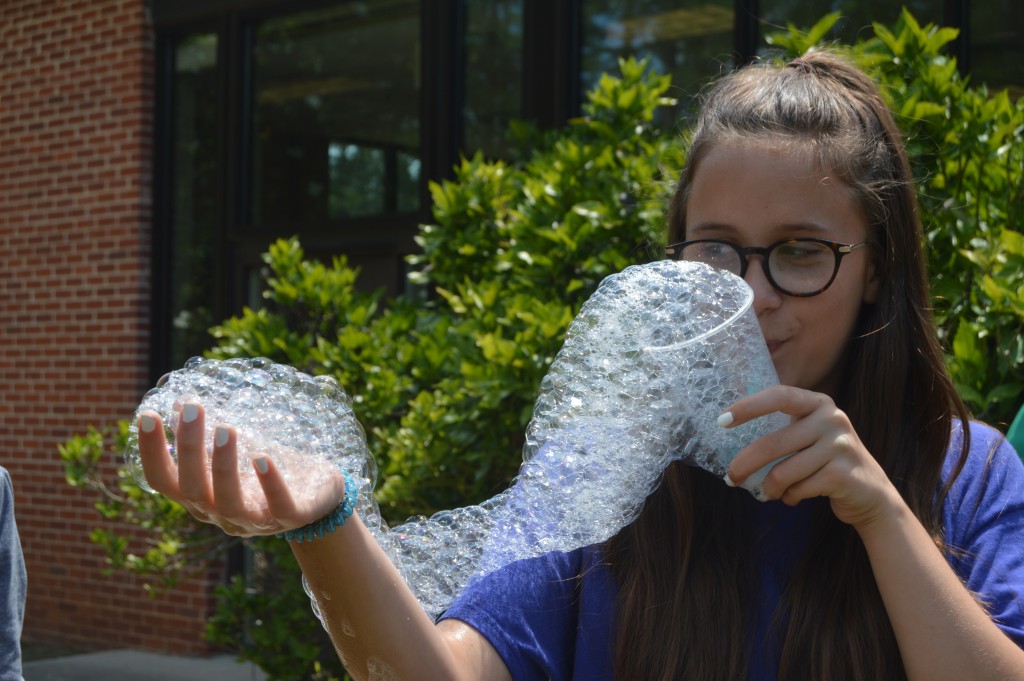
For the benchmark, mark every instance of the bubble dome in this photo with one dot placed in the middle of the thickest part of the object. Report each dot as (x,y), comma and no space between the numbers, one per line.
(306,423)
(655,355)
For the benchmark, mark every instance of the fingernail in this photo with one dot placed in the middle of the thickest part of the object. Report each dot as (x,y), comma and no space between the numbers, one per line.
(147,423)
(261,464)
(725,419)
(728,480)
(189,413)
(220,436)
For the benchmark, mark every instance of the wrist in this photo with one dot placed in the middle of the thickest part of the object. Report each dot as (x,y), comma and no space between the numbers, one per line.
(330,522)
(891,515)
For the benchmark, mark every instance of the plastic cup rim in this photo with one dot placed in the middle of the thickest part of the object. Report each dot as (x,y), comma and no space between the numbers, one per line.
(748,301)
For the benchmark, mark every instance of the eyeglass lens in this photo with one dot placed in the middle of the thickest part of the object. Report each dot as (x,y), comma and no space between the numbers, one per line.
(797,267)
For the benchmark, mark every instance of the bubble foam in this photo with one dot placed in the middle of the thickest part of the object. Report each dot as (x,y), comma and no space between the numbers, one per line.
(305,423)
(648,365)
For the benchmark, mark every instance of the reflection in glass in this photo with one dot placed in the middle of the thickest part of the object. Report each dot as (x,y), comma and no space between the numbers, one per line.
(997,45)
(857,15)
(194,211)
(357,175)
(493,75)
(691,41)
(336,113)
(408,186)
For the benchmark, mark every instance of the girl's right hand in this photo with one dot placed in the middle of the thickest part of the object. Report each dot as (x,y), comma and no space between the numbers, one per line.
(211,490)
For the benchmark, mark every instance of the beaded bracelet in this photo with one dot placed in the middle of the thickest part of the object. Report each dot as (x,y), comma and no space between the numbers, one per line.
(330,522)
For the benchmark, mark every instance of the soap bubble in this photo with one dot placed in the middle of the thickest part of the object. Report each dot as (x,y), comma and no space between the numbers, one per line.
(650,362)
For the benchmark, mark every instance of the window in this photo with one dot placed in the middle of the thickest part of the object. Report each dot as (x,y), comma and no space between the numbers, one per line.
(493,74)
(857,17)
(195,209)
(692,41)
(326,118)
(336,111)
(996,51)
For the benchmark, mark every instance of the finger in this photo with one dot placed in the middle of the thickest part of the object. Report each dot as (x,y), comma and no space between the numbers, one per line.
(157,465)
(799,476)
(285,507)
(773,447)
(227,484)
(784,399)
(280,501)
(193,471)
(818,483)
(813,414)
(837,465)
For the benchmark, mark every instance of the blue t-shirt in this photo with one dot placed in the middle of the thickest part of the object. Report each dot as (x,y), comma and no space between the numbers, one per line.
(553,617)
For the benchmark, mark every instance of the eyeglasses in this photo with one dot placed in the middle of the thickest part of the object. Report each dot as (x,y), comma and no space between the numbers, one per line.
(796,267)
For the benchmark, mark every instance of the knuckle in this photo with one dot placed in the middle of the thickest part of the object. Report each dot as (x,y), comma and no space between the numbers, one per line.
(823,403)
(843,443)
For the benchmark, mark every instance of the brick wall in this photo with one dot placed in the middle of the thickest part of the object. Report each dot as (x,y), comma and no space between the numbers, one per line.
(75,163)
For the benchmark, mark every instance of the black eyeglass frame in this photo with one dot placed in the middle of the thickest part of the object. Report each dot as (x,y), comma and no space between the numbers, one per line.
(838,249)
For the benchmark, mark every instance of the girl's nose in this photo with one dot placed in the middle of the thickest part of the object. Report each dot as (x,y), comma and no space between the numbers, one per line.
(766,297)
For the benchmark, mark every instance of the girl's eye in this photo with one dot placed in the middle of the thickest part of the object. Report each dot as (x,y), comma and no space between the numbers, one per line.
(802,251)
(714,250)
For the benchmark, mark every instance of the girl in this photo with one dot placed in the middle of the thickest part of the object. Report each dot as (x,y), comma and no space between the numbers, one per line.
(893,547)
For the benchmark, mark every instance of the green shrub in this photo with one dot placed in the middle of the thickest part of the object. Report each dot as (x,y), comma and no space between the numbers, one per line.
(444,384)
(174,546)
(444,377)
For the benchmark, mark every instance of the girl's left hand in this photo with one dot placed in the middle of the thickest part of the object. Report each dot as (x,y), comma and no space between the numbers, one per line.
(828,459)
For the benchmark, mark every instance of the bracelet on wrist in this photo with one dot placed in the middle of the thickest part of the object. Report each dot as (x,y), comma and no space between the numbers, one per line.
(330,522)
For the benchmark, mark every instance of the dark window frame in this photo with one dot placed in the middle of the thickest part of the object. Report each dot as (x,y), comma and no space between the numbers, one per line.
(551,95)
(238,242)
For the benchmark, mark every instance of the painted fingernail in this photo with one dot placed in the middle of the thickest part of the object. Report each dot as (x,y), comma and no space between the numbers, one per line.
(189,412)
(728,480)
(725,419)
(220,436)
(147,423)
(261,464)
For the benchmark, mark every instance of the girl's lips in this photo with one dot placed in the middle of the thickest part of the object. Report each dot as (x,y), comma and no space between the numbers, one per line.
(774,345)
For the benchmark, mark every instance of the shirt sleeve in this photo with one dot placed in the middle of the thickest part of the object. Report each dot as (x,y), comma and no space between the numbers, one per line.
(985,527)
(13,585)
(528,612)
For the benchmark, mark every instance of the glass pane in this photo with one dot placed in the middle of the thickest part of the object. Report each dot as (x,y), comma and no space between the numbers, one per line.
(858,15)
(194,219)
(689,40)
(997,44)
(494,74)
(337,104)
(356,176)
(408,182)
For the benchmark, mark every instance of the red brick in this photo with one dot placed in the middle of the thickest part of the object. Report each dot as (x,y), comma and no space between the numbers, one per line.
(75,218)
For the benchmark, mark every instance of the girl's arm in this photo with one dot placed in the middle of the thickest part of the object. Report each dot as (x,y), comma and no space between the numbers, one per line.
(377,626)
(941,630)
(375,622)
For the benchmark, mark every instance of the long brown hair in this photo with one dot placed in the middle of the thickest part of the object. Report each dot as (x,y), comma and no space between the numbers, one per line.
(684,566)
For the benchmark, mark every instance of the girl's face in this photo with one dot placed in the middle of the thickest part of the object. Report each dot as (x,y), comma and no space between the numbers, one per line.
(755,194)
